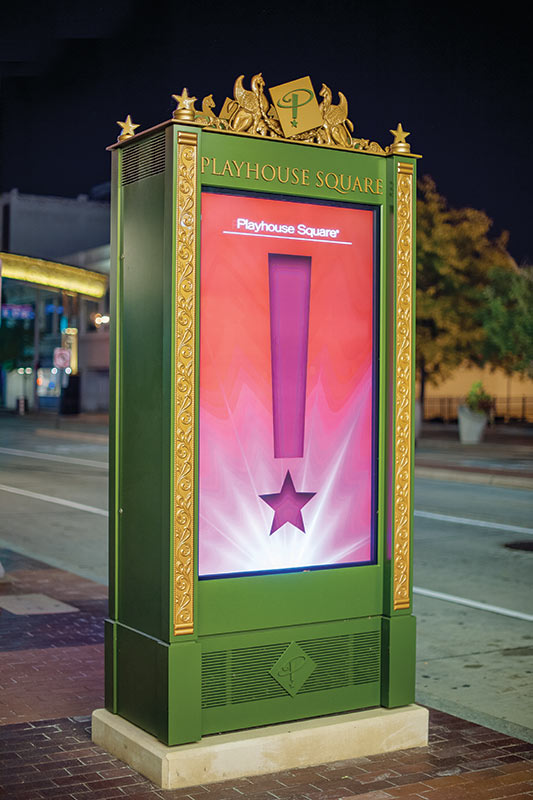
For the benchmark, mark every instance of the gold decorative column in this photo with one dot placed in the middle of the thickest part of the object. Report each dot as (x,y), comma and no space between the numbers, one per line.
(403,372)
(185,312)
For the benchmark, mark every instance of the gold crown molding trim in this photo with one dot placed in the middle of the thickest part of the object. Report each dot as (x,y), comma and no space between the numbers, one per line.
(367,147)
(403,370)
(53,274)
(184,399)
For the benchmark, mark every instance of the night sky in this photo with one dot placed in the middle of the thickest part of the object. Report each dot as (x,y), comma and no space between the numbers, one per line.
(458,76)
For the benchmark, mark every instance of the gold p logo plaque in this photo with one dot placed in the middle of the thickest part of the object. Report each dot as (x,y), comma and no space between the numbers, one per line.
(296,106)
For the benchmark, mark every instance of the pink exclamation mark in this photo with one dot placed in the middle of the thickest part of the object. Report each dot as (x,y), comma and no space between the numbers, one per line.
(290,286)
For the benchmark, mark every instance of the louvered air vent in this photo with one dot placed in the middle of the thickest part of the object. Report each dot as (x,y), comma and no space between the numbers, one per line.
(143,159)
(241,676)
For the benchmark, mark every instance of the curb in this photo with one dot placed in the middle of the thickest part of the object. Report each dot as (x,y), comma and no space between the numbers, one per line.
(55,433)
(483,478)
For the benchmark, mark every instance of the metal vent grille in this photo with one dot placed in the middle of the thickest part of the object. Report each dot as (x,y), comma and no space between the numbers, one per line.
(243,676)
(343,661)
(143,159)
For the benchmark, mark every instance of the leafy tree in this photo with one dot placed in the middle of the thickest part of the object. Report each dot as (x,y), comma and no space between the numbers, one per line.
(455,261)
(507,319)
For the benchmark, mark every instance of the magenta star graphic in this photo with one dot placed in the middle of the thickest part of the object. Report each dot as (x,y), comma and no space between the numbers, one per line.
(287,505)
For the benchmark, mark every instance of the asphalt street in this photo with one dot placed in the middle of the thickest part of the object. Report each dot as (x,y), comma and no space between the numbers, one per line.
(60,535)
(472,662)
(473,593)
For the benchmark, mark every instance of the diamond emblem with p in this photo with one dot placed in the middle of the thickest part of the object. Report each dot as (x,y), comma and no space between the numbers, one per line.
(293,668)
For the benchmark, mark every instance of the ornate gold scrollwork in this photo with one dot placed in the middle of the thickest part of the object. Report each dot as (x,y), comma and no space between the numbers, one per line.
(402,412)
(184,383)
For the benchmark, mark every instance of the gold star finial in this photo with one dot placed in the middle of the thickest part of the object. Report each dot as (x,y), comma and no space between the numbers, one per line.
(185,112)
(128,129)
(399,144)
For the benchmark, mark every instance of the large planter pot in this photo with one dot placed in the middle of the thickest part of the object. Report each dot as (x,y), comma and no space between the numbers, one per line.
(472,424)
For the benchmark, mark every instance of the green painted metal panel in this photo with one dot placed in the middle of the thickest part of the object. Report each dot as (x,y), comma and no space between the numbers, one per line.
(413,390)
(184,693)
(115,280)
(388,267)
(142,695)
(239,685)
(398,661)
(222,677)
(110,675)
(144,527)
(247,164)
(264,601)
(167,387)
(160,686)
(382,376)
(268,712)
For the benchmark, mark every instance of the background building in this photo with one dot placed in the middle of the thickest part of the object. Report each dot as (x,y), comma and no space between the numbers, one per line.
(93,340)
(55,261)
(48,227)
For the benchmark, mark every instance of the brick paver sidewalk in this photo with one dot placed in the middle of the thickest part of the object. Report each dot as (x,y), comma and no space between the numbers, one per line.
(51,678)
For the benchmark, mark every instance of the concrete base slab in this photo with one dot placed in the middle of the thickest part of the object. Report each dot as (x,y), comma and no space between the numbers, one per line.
(260,751)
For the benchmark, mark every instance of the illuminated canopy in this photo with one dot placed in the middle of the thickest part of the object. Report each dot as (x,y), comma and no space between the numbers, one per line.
(50,273)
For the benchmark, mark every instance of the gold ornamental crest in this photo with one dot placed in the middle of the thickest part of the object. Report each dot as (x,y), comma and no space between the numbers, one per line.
(295,115)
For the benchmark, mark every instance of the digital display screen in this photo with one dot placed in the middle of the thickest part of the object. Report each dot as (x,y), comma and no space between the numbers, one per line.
(286,385)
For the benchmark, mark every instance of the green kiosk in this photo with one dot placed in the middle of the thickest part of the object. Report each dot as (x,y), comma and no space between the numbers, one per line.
(261,437)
